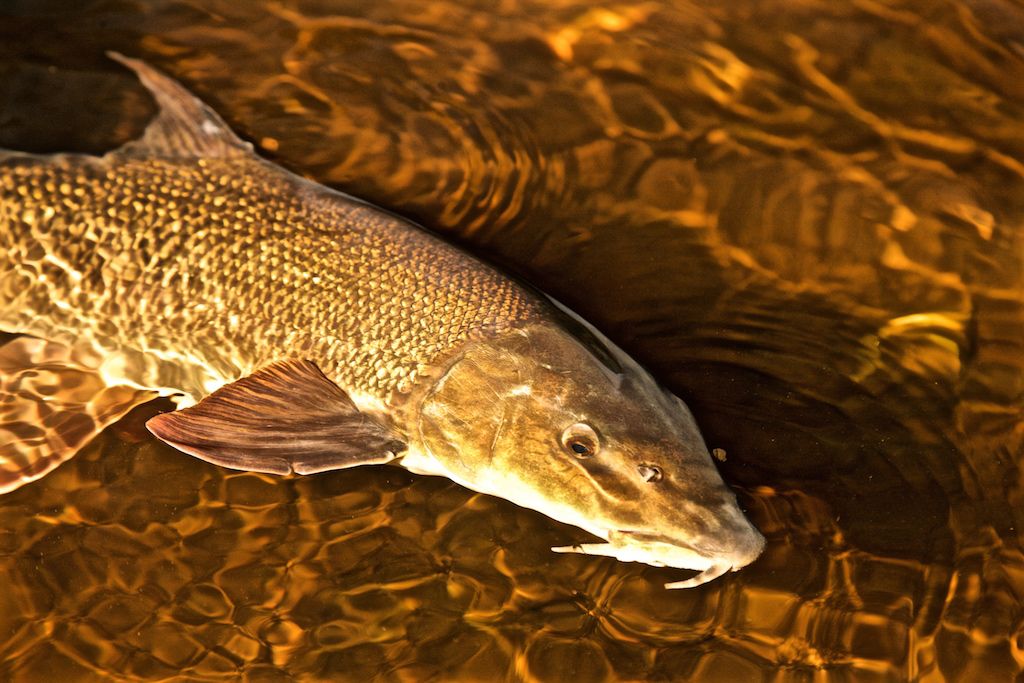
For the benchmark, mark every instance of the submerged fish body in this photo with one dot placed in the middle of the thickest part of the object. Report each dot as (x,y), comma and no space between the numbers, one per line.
(301,330)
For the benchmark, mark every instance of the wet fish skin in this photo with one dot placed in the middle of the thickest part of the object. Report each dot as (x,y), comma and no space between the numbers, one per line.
(220,266)
(497,421)
(187,265)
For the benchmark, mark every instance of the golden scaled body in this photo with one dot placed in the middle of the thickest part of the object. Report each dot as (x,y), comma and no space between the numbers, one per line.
(180,263)
(221,266)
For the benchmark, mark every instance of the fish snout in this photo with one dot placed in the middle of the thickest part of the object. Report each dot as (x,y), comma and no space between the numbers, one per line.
(731,547)
(735,542)
(742,549)
(745,545)
(728,545)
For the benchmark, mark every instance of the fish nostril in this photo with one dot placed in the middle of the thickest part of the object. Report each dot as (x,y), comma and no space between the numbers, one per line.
(650,473)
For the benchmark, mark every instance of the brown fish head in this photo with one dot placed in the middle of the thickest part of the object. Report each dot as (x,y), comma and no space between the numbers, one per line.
(575,429)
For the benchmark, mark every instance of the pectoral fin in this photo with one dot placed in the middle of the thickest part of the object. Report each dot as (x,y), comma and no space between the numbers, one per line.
(287,417)
(52,403)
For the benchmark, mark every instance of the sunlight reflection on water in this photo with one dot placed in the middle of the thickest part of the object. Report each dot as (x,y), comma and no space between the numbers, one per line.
(805,217)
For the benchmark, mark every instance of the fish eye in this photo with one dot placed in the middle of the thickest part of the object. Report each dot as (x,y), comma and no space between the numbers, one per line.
(650,473)
(580,440)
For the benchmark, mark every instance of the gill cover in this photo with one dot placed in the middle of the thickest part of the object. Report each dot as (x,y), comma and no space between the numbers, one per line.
(587,437)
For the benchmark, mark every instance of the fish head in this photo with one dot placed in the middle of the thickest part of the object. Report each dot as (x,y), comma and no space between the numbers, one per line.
(568,425)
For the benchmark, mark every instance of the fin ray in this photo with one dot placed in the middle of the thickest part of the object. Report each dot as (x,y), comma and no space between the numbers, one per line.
(183,127)
(286,418)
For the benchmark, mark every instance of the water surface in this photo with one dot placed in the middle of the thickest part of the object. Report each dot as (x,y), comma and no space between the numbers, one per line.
(806,217)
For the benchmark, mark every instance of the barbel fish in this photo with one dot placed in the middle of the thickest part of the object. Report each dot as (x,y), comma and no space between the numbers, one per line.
(301,330)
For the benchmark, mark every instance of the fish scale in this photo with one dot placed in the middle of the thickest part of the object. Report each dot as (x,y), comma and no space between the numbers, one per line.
(235,263)
(306,331)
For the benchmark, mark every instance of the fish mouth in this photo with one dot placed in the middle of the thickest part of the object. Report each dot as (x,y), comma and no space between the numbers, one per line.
(711,559)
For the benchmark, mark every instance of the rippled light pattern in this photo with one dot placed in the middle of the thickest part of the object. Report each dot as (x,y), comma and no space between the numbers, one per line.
(807,217)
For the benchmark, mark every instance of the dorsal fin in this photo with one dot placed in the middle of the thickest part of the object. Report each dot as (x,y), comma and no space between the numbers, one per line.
(184,127)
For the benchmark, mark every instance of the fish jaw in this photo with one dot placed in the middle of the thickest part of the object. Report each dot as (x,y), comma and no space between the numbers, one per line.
(711,563)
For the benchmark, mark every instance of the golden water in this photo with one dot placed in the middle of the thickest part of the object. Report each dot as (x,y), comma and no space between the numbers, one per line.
(807,218)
